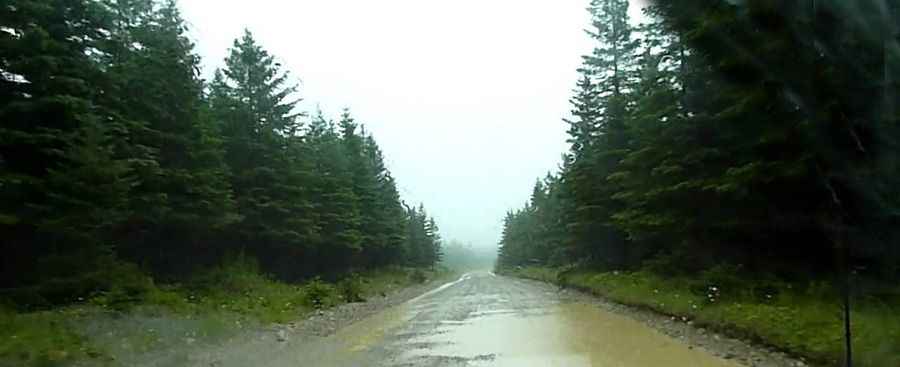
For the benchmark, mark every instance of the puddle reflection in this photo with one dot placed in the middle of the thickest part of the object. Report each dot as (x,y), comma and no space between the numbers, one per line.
(567,335)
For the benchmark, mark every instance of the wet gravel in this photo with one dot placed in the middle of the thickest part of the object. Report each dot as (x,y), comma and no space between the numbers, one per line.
(683,329)
(323,323)
(522,297)
(488,320)
(419,325)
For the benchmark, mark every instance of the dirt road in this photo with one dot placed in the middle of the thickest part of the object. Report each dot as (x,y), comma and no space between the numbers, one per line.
(480,319)
(485,320)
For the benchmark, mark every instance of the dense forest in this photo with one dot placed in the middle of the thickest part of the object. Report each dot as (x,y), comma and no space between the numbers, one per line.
(115,153)
(754,136)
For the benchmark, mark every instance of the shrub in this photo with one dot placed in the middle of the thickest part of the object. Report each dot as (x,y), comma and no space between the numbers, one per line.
(717,282)
(669,264)
(351,288)
(40,339)
(318,293)
(128,287)
(237,273)
(418,276)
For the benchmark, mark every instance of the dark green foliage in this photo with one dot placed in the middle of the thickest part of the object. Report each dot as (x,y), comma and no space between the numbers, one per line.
(418,276)
(117,159)
(270,176)
(182,195)
(63,180)
(423,243)
(317,293)
(760,135)
(351,288)
(338,209)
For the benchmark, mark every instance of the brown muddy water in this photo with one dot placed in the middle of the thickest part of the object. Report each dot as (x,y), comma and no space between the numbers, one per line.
(484,320)
(478,320)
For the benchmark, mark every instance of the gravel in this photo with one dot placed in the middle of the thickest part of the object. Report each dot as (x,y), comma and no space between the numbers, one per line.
(740,351)
(323,323)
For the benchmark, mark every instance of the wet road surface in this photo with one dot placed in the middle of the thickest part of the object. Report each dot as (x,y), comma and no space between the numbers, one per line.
(487,320)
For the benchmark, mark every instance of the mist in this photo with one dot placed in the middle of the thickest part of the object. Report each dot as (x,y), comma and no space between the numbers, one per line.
(457,94)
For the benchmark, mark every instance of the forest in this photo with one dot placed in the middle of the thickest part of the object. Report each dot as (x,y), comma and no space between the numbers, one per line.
(731,151)
(764,137)
(117,157)
(732,165)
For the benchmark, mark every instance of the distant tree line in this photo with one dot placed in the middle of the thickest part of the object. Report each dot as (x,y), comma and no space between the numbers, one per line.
(759,134)
(113,151)
(466,256)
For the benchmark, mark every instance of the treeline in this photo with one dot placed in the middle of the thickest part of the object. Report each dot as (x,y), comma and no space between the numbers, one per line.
(114,151)
(761,135)
(466,257)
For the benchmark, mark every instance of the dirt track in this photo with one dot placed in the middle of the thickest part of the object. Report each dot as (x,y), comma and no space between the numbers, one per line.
(479,320)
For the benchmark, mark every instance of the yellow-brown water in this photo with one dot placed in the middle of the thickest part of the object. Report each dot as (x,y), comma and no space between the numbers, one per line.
(494,321)
(571,335)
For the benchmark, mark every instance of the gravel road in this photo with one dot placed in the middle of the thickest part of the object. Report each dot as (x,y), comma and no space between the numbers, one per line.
(484,320)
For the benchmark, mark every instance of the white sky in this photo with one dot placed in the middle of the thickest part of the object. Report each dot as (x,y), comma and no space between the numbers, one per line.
(465,97)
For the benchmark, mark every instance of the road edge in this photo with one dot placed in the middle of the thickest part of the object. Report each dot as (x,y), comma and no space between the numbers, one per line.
(744,352)
(326,322)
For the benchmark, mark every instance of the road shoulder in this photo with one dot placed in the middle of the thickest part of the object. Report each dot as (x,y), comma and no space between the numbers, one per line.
(683,329)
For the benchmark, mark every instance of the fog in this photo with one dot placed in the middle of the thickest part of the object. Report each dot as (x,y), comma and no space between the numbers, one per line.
(466,98)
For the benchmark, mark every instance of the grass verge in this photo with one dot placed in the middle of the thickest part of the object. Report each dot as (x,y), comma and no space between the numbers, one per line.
(798,320)
(214,305)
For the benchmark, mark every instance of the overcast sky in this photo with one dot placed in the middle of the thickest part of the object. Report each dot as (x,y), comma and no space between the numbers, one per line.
(465,97)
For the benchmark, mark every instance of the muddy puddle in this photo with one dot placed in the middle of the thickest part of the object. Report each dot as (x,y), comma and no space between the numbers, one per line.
(489,321)
(363,335)
(572,335)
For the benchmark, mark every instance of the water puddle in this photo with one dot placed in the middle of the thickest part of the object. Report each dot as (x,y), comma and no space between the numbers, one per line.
(492,312)
(565,335)
(463,278)
(361,335)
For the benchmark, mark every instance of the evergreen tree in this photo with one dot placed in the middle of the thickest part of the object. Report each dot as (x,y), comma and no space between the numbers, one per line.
(62,184)
(599,135)
(252,103)
(183,194)
(702,151)
(337,203)
(434,254)
(388,217)
(364,184)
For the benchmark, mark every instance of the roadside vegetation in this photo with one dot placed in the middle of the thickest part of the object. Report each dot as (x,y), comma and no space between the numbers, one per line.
(215,304)
(123,172)
(732,163)
(802,320)
(129,182)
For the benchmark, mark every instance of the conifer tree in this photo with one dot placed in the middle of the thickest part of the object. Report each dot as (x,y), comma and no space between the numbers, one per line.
(336,202)
(255,108)
(63,185)
(183,196)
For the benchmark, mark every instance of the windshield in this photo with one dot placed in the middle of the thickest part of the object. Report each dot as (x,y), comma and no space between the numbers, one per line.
(471,183)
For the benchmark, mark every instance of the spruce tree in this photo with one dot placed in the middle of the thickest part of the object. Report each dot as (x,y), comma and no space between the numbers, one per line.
(336,202)
(388,217)
(63,185)
(255,109)
(364,184)
(182,197)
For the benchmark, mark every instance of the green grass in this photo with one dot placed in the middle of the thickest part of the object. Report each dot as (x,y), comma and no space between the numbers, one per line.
(802,322)
(40,339)
(216,304)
